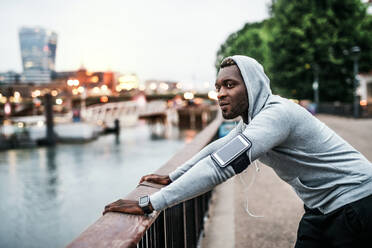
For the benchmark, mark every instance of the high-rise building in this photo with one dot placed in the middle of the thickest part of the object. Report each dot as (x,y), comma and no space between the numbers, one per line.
(38,51)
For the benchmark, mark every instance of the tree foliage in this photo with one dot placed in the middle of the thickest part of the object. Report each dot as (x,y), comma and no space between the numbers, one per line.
(301,34)
(251,40)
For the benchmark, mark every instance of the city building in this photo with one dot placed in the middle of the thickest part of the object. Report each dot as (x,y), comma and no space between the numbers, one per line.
(87,83)
(38,51)
(127,82)
(369,9)
(9,77)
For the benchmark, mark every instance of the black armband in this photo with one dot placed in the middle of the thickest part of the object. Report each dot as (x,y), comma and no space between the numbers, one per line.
(233,153)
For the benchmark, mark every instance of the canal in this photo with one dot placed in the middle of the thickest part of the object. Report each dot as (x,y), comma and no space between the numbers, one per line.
(50,195)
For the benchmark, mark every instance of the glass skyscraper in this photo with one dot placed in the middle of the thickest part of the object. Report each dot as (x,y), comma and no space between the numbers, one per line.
(38,51)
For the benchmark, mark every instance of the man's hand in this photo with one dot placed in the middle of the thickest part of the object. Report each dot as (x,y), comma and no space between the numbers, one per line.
(124,206)
(154,178)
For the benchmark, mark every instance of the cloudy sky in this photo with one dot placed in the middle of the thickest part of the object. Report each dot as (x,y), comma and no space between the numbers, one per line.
(162,39)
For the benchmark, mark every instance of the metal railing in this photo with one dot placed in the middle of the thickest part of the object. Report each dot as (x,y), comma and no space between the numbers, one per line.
(178,226)
(344,109)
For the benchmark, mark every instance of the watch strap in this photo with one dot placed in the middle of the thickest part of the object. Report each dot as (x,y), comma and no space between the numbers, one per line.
(145,206)
(146,209)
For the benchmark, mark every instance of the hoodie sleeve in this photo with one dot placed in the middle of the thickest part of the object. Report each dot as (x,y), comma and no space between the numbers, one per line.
(206,151)
(270,128)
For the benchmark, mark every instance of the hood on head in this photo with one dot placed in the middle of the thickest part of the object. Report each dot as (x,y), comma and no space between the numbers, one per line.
(256,82)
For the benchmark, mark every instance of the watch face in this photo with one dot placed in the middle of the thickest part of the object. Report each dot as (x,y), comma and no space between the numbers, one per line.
(143,201)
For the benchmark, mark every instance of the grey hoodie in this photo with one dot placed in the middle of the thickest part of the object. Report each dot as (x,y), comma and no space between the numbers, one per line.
(324,170)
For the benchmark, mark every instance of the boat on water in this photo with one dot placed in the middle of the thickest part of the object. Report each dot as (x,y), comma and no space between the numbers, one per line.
(34,128)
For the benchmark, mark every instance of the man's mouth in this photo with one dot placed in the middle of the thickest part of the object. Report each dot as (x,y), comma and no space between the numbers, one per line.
(223,104)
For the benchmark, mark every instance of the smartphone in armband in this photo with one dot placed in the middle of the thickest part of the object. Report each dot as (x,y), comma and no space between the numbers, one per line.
(232,150)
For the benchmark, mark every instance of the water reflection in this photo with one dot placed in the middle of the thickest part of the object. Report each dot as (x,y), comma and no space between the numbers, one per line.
(50,195)
(117,139)
(52,171)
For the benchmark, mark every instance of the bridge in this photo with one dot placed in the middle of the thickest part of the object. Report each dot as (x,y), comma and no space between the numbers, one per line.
(156,113)
(127,112)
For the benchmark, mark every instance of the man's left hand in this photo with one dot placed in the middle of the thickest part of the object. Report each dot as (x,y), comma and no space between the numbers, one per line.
(124,206)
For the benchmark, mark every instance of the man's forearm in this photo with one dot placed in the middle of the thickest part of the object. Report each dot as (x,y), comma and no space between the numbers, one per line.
(206,151)
(197,180)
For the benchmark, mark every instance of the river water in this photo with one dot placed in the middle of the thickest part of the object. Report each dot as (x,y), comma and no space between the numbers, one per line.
(48,196)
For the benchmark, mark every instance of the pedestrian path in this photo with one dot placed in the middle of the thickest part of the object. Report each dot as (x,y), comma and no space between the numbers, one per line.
(220,229)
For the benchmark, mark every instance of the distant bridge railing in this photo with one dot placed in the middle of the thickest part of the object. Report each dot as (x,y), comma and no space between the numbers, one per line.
(127,112)
(178,226)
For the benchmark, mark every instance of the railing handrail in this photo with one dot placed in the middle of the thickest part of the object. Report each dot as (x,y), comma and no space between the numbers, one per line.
(124,230)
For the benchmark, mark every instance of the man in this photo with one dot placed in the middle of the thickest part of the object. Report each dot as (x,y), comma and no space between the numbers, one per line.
(332,178)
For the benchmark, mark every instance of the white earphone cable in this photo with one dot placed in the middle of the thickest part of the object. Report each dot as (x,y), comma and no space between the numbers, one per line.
(247,186)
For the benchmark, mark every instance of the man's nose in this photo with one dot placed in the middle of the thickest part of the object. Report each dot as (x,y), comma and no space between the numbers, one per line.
(221,93)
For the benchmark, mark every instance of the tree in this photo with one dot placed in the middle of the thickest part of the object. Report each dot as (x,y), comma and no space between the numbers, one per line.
(251,40)
(317,32)
(302,34)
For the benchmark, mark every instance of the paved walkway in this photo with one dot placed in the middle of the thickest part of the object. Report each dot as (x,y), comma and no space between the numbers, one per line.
(229,224)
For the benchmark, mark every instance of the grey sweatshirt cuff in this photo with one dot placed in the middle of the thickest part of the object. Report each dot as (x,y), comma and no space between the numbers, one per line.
(174,175)
(158,201)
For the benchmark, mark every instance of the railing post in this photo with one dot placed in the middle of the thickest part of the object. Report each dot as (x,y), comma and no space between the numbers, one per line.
(184,224)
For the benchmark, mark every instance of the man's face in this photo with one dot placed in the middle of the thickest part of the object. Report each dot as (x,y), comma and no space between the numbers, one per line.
(232,93)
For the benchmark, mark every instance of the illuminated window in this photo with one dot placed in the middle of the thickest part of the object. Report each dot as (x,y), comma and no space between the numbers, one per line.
(29,64)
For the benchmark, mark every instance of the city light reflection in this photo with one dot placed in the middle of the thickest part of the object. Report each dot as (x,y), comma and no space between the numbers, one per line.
(188,95)
(212,95)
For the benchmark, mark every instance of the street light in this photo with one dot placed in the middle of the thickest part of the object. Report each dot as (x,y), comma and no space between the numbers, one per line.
(355,54)
(316,86)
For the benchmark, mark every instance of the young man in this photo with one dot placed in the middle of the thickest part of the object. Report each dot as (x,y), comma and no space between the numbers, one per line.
(332,178)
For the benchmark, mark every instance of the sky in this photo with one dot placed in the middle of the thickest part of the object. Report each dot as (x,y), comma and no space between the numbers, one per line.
(162,39)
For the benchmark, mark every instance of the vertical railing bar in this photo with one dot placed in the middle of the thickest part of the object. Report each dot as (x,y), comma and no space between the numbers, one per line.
(184,224)
(151,244)
(196,219)
(141,243)
(160,231)
(165,231)
(152,236)
(147,239)
(155,244)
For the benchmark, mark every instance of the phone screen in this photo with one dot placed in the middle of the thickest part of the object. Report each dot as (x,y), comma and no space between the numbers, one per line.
(232,149)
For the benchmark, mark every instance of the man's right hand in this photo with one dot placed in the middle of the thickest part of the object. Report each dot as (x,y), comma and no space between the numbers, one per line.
(154,178)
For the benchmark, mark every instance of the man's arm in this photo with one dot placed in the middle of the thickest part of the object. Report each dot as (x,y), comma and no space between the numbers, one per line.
(199,179)
(267,130)
(206,151)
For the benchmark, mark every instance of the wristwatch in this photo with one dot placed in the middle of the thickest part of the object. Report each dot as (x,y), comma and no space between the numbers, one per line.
(144,203)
